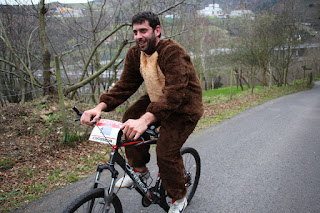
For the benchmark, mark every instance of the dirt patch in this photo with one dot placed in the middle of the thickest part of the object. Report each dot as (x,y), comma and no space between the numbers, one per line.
(33,161)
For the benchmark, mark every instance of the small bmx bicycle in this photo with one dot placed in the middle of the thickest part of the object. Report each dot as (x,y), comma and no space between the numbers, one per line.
(103,198)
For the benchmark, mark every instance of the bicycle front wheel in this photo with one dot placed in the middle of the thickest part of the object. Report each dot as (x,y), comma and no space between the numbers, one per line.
(192,168)
(93,201)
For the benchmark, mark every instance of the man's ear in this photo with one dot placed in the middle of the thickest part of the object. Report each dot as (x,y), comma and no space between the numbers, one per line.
(157,30)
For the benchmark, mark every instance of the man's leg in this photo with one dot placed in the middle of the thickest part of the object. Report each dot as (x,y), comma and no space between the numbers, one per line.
(138,156)
(173,134)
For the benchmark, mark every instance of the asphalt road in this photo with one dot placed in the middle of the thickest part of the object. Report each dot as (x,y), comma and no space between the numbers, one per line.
(266,159)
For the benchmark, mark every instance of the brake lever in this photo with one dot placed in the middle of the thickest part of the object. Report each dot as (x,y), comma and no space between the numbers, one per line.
(152,130)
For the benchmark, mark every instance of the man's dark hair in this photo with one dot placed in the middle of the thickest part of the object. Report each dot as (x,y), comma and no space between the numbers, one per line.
(149,16)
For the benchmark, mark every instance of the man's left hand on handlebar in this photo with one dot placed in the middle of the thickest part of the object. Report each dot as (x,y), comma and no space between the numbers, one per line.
(134,128)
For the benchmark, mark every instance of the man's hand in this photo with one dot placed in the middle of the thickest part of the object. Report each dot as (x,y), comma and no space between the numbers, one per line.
(91,116)
(133,129)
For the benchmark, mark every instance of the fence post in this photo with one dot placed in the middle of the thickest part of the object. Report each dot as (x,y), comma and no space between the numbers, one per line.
(2,101)
(61,99)
(310,79)
(231,82)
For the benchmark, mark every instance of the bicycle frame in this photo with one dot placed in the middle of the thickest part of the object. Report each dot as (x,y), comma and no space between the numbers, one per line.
(149,196)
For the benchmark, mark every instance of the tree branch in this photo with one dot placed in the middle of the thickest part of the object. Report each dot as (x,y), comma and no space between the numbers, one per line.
(169,8)
(7,42)
(38,83)
(96,47)
(96,74)
(15,74)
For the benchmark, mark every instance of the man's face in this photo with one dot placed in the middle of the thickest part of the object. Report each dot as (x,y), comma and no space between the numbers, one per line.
(145,37)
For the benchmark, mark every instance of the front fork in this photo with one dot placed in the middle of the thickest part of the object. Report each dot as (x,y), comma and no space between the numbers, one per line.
(107,192)
(154,196)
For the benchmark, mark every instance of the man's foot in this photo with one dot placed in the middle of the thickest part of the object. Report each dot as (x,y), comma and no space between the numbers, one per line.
(178,206)
(126,181)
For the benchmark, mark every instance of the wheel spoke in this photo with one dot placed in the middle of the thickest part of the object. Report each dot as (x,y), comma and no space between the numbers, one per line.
(93,201)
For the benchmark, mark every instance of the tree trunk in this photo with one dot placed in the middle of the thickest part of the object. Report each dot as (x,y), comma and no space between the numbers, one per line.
(252,84)
(264,76)
(23,88)
(270,77)
(46,73)
(240,77)
(285,76)
(61,101)
(46,56)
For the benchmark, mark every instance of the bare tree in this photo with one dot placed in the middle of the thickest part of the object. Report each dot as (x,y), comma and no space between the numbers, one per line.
(114,29)
(289,38)
(17,42)
(46,55)
(100,35)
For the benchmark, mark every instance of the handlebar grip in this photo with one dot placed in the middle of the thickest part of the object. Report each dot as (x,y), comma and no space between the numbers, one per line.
(77,111)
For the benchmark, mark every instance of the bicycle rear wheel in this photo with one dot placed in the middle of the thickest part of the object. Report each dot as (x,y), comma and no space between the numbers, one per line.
(192,169)
(93,201)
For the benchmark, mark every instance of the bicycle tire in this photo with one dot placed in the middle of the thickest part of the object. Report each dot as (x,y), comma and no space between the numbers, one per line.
(192,166)
(81,204)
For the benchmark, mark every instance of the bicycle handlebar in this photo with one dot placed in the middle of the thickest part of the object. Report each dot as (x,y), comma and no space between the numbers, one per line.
(152,129)
(77,111)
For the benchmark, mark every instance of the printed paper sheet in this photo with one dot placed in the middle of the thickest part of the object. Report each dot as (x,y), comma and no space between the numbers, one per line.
(106,131)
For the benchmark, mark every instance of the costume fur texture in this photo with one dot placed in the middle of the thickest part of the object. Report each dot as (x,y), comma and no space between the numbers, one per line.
(174,96)
(182,92)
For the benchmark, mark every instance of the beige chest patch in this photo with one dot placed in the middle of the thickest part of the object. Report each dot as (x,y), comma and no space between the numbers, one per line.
(152,75)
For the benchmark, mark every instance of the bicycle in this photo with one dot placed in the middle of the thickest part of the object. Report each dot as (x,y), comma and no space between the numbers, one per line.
(105,199)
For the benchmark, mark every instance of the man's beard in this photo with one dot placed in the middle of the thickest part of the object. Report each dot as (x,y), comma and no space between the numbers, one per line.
(151,47)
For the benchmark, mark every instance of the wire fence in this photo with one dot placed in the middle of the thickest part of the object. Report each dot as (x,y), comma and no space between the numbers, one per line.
(85,94)
(40,89)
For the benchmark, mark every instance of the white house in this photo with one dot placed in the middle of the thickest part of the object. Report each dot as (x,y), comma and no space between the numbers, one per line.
(212,10)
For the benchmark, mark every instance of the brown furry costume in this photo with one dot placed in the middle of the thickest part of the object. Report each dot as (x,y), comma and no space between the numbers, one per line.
(176,102)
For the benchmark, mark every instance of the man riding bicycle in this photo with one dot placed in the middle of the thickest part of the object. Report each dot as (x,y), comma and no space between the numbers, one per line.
(173,100)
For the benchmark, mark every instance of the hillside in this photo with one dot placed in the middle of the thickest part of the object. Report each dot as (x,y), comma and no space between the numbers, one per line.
(307,11)
(33,161)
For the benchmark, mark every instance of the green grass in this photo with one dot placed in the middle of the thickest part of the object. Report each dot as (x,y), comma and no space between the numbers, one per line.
(73,138)
(218,100)
(6,162)
(224,93)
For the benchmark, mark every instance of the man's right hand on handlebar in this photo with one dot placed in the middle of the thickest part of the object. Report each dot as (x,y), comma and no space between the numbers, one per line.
(91,116)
